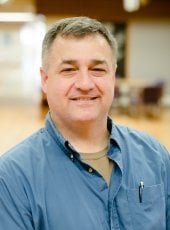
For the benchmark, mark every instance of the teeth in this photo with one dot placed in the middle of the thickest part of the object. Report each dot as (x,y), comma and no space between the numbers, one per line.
(85,99)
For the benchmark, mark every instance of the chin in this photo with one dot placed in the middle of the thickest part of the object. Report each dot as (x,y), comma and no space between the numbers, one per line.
(86,119)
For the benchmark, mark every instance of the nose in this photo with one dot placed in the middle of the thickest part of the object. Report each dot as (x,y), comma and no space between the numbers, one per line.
(84,81)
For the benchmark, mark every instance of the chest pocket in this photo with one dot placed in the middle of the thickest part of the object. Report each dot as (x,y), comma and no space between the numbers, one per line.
(149,214)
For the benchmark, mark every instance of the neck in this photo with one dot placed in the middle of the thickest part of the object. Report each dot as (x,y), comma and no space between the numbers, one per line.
(85,136)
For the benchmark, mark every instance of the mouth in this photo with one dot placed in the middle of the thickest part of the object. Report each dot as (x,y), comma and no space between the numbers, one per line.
(84,98)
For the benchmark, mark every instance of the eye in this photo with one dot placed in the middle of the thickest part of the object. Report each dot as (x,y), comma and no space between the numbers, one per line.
(98,72)
(67,70)
(99,69)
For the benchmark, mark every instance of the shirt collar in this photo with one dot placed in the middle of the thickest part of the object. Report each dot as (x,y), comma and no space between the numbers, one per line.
(115,146)
(115,143)
(114,136)
(52,129)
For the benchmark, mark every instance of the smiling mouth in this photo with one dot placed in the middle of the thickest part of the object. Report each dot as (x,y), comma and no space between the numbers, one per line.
(84,98)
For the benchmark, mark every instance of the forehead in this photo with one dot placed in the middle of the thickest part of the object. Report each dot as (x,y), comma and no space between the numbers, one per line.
(87,38)
(90,44)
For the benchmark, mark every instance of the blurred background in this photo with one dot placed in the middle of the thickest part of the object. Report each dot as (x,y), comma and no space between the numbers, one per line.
(142,94)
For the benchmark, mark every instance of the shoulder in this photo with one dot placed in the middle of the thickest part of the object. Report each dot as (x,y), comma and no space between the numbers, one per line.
(131,134)
(25,152)
(137,141)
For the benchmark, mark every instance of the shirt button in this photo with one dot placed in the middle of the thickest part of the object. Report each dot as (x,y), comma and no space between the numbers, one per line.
(90,170)
(71,156)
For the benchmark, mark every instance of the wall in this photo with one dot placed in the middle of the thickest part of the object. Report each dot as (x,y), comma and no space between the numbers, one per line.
(148,51)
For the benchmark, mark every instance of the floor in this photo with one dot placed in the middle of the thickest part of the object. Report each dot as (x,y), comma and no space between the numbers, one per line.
(21,112)
(20,118)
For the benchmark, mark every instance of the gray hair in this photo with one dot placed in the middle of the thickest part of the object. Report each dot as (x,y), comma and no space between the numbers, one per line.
(76,27)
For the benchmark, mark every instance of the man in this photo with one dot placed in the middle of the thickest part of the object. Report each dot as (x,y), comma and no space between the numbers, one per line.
(82,171)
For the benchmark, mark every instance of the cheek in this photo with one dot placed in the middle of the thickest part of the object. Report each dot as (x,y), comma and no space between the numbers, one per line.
(109,92)
(108,87)
(58,87)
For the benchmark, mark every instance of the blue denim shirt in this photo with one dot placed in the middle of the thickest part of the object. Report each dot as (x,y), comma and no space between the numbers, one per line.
(45,186)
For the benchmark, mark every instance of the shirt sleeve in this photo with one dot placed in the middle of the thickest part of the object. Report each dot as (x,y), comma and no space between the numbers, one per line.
(167,184)
(165,162)
(166,178)
(14,207)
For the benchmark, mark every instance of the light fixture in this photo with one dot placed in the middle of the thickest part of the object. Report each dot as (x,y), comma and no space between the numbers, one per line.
(3,2)
(16,17)
(131,5)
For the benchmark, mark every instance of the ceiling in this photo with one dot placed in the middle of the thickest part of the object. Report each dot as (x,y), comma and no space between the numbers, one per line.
(102,9)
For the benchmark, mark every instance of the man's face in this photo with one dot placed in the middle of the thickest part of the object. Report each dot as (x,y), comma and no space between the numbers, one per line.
(79,81)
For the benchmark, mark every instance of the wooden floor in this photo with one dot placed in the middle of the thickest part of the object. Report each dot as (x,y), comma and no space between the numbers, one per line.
(20,118)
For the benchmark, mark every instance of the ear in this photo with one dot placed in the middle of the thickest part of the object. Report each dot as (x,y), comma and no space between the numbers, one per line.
(114,75)
(44,79)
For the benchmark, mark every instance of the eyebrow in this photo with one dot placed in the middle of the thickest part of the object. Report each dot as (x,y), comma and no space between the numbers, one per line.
(69,61)
(93,62)
(98,62)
